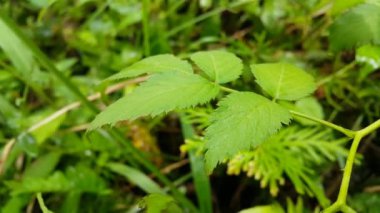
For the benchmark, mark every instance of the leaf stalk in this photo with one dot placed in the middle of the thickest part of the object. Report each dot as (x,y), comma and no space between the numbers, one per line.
(226,89)
(340,203)
(347,132)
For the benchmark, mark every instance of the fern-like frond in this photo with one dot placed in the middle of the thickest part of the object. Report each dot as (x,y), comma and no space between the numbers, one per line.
(199,117)
(290,153)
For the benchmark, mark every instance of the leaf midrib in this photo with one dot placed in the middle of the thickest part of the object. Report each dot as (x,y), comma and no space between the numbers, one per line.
(214,66)
(277,93)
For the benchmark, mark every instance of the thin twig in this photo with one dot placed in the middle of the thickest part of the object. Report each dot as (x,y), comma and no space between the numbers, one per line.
(174,166)
(5,154)
(111,89)
(93,97)
(372,189)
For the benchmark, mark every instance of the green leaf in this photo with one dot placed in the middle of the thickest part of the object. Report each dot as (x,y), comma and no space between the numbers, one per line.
(158,203)
(42,166)
(20,55)
(57,182)
(85,179)
(309,106)
(42,3)
(369,54)
(136,177)
(78,178)
(272,208)
(358,26)
(15,203)
(47,129)
(28,144)
(283,81)
(340,6)
(71,202)
(365,202)
(220,66)
(154,64)
(163,92)
(253,119)
(9,113)
(297,207)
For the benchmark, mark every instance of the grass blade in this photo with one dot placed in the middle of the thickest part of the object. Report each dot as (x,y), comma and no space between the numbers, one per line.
(136,177)
(201,179)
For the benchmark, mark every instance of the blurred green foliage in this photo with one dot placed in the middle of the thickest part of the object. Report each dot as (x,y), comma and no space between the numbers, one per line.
(49,162)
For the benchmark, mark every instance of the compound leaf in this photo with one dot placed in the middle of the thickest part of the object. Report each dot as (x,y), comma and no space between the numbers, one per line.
(358,26)
(283,80)
(161,93)
(154,64)
(220,66)
(242,121)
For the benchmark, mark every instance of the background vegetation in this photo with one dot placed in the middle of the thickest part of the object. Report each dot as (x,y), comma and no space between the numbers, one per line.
(56,54)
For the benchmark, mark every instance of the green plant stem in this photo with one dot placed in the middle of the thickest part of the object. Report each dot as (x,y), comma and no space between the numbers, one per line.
(41,202)
(340,203)
(337,73)
(343,130)
(347,209)
(348,170)
(369,129)
(226,89)
(145,22)
(351,157)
